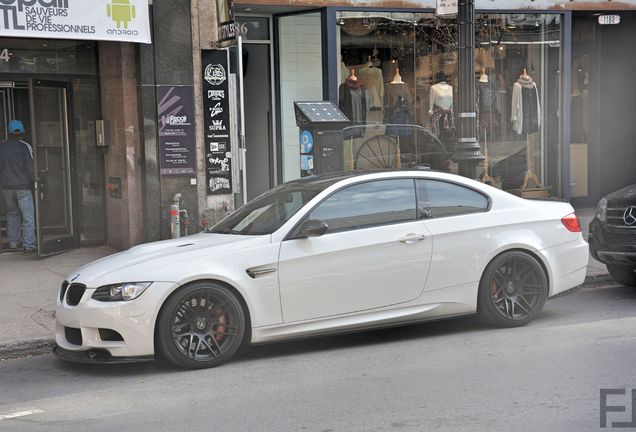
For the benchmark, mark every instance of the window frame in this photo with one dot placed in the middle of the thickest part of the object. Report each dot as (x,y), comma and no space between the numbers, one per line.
(486,196)
(294,233)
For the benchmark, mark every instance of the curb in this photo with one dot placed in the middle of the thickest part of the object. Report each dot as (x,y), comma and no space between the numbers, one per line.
(33,347)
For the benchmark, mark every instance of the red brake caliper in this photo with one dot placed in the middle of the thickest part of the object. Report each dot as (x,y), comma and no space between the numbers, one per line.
(220,329)
(493,290)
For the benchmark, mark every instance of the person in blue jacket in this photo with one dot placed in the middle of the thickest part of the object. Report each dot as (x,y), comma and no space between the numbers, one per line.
(16,180)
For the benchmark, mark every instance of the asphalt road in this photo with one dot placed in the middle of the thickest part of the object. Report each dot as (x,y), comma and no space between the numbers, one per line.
(455,375)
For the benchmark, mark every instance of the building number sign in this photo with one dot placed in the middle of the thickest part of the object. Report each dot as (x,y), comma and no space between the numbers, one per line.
(5,55)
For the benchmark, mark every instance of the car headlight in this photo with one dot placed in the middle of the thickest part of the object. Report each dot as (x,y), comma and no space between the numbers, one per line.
(120,292)
(601,210)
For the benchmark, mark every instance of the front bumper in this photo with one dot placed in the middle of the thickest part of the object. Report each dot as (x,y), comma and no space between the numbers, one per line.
(95,331)
(612,245)
(97,356)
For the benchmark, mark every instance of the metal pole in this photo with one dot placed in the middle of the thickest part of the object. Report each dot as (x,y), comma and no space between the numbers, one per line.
(243,150)
(467,151)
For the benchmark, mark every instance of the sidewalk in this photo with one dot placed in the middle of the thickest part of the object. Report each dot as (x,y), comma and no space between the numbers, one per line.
(29,287)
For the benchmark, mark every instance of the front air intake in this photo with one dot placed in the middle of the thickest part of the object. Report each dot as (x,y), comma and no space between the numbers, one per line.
(74,294)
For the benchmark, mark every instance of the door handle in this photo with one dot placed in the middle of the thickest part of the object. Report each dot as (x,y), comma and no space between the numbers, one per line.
(412,238)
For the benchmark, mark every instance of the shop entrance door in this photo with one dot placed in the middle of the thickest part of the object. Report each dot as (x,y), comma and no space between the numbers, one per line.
(49,103)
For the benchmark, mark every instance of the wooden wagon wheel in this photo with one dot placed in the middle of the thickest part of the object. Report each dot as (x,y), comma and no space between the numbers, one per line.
(378,152)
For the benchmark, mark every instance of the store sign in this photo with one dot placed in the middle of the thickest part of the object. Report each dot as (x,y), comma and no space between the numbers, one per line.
(216,122)
(225,22)
(177,150)
(446,7)
(113,20)
(609,19)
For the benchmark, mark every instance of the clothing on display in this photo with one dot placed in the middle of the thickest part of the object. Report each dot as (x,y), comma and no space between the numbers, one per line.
(352,100)
(398,106)
(344,72)
(487,104)
(526,111)
(441,96)
(373,80)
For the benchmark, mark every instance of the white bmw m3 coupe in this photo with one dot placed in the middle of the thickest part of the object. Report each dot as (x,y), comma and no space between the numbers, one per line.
(323,255)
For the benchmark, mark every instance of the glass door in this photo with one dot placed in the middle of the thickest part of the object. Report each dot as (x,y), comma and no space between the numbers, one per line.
(49,101)
(5,113)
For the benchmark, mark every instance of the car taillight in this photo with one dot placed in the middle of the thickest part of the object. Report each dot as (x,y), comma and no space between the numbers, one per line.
(571,222)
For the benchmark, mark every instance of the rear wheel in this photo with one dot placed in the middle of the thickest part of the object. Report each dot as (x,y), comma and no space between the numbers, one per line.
(513,289)
(200,326)
(623,273)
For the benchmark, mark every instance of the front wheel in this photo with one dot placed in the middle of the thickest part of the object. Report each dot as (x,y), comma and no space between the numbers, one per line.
(513,289)
(623,273)
(200,326)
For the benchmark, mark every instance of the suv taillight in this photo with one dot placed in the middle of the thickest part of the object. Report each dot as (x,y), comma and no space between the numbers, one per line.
(571,222)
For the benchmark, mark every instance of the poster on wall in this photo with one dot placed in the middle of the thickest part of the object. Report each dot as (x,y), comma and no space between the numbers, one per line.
(225,22)
(216,115)
(111,20)
(177,148)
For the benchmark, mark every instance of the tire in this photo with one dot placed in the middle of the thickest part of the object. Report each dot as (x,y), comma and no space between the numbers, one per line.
(513,290)
(623,273)
(200,326)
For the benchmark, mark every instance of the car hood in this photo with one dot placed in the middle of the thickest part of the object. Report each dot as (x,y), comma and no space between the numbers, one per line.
(142,259)
(626,194)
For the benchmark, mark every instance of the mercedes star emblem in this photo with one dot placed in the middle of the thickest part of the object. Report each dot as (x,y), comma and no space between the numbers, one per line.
(629,217)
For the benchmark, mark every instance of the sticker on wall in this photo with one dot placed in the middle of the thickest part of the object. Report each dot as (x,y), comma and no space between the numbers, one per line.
(306,142)
(306,163)
(216,122)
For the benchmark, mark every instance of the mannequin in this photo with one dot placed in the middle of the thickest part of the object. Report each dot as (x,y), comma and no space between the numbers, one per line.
(526,119)
(526,111)
(441,110)
(352,100)
(397,79)
(398,104)
(373,81)
(488,120)
(487,105)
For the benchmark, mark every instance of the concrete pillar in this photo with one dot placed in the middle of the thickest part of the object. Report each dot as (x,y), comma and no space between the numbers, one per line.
(118,77)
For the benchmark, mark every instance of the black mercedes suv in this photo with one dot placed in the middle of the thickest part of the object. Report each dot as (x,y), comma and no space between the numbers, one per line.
(613,234)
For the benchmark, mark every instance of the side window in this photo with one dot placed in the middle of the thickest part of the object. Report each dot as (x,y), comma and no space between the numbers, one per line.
(437,199)
(368,204)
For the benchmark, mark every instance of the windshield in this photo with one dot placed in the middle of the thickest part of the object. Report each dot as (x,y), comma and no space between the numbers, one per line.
(268,212)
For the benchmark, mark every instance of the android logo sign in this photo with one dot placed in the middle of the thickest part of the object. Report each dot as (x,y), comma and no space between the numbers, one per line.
(121,11)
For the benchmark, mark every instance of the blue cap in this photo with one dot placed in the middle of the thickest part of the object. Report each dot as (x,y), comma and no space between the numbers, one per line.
(16,126)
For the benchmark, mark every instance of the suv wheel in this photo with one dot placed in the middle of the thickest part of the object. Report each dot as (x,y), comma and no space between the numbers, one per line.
(623,273)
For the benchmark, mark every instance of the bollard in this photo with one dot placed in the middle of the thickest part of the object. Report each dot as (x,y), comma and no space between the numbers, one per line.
(175,217)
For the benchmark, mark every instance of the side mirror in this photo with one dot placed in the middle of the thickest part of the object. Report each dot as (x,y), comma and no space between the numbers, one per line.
(313,228)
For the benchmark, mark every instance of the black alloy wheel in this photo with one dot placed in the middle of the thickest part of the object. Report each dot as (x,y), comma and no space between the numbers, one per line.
(200,326)
(513,289)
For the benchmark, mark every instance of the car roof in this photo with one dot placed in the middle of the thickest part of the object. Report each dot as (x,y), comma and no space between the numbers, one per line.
(328,179)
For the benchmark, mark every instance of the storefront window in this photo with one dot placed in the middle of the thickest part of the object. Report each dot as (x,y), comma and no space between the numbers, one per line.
(398,86)
(47,56)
